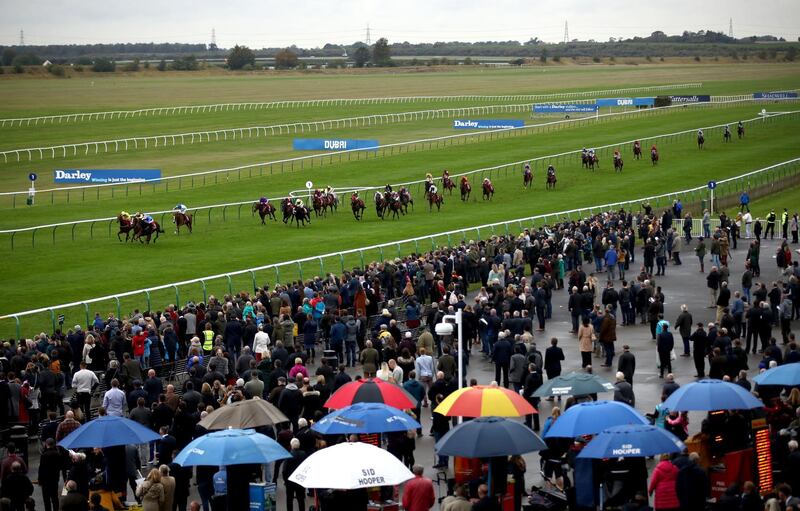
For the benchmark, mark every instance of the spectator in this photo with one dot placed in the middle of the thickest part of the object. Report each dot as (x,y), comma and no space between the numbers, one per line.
(418,494)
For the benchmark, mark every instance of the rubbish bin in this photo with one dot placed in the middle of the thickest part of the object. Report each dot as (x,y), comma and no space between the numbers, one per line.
(703,204)
(19,437)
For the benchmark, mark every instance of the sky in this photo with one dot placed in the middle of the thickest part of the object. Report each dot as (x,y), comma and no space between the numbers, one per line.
(311,23)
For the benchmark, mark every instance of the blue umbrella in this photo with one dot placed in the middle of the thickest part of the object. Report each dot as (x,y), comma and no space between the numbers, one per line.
(593,417)
(632,441)
(231,447)
(487,437)
(108,431)
(787,375)
(710,395)
(365,418)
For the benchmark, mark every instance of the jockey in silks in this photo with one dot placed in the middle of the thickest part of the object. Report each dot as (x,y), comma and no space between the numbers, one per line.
(433,190)
(180,208)
(298,203)
(486,181)
(699,133)
(740,125)
(354,197)
(527,168)
(637,144)
(428,180)
(584,153)
(263,201)
(727,131)
(125,216)
(387,188)
(616,155)
(149,222)
(446,174)
(329,190)
(653,150)
(551,171)
(591,153)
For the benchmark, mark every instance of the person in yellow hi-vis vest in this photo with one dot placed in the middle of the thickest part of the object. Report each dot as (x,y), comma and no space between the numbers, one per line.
(208,339)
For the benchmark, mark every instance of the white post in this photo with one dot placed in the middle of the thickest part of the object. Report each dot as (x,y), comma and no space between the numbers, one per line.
(712,202)
(460,323)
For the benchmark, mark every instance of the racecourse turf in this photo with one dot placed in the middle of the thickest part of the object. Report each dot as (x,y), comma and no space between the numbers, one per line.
(62,271)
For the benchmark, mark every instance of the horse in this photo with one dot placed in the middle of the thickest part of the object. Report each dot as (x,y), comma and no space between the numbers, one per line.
(637,152)
(448,184)
(357,204)
(333,201)
(320,204)
(488,190)
(147,230)
(700,141)
(585,160)
(551,180)
(380,204)
(592,161)
(740,131)
(287,208)
(396,206)
(264,210)
(301,215)
(180,219)
(654,156)
(405,199)
(435,198)
(126,225)
(527,178)
(726,136)
(618,164)
(466,188)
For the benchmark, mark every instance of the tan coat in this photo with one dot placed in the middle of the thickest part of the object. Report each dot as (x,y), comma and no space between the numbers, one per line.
(152,495)
(585,334)
(168,482)
(425,341)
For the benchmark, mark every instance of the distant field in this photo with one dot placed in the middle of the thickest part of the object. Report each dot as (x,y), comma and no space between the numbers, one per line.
(61,270)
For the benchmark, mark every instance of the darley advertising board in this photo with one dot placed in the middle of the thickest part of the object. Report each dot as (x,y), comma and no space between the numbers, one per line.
(101,176)
(564,109)
(488,124)
(339,144)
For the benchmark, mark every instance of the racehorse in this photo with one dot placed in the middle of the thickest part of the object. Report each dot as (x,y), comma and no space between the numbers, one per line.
(264,210)
(332,200)
(488,190)
(740,131)
(301,215)
(405,199)
(320,203)
(395,205)
(527,177)
(589,161)
(141,228)
(654,156)
(287,208)
(618,163)
(357,204)
(701,139)
(466,188)
(448,184)
(126,225)
(726,135)
(435,198)
(637,152)
(180,219)
(380,204)
(551,179)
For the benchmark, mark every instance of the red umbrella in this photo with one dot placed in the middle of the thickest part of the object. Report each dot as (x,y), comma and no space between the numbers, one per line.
(373,390)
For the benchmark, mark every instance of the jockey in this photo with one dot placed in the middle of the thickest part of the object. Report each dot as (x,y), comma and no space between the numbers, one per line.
(328,190)
(653,149)
(263,201)
(740,125)
(148,220)
(378,196)
(432,191)
(636,143)
(616,154)
(591,152)
(486,181)
(387,188)
(125,216)
(584,152)
(727,130)
(699,133)
(446,174)
(180,208)
(298,203)
(551,170)
(428,179)
(354,196)
(527,168)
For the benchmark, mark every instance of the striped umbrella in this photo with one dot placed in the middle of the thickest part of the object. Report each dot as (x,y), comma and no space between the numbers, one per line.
(373,390)
(484,400)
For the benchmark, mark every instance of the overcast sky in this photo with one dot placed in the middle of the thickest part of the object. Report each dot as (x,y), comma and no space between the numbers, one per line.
(309,23)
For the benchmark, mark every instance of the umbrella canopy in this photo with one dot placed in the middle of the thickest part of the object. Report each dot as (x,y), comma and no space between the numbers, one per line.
(709,395)
(574,384)
(485,400)
(231,447)
(787,375)
(250,413)
(349,466)
(365,418)
(486,437)
(373,390)
(632,441)
(592,418)
(108,431)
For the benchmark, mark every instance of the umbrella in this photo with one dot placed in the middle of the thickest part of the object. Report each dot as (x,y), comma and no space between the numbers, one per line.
(251,413)
(484,400)
(632,441)
(574,384)
(365,418)
(373,390)
(487,437)
(350,466)
(593,417)
(231,447)
(787,375)
(710,395)
(108,431)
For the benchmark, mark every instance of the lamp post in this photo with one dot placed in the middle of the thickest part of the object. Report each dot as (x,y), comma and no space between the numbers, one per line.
(445,328)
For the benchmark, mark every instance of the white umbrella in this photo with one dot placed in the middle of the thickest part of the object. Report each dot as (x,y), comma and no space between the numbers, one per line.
(349,466)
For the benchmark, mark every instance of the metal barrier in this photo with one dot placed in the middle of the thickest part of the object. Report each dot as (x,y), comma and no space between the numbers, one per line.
(386,250)
(228,107)
(289,164)
(486,171)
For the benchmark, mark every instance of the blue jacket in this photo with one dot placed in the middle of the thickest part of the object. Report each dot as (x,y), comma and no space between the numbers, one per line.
(501,352)
(416,389)
(611,257)
(338,333)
